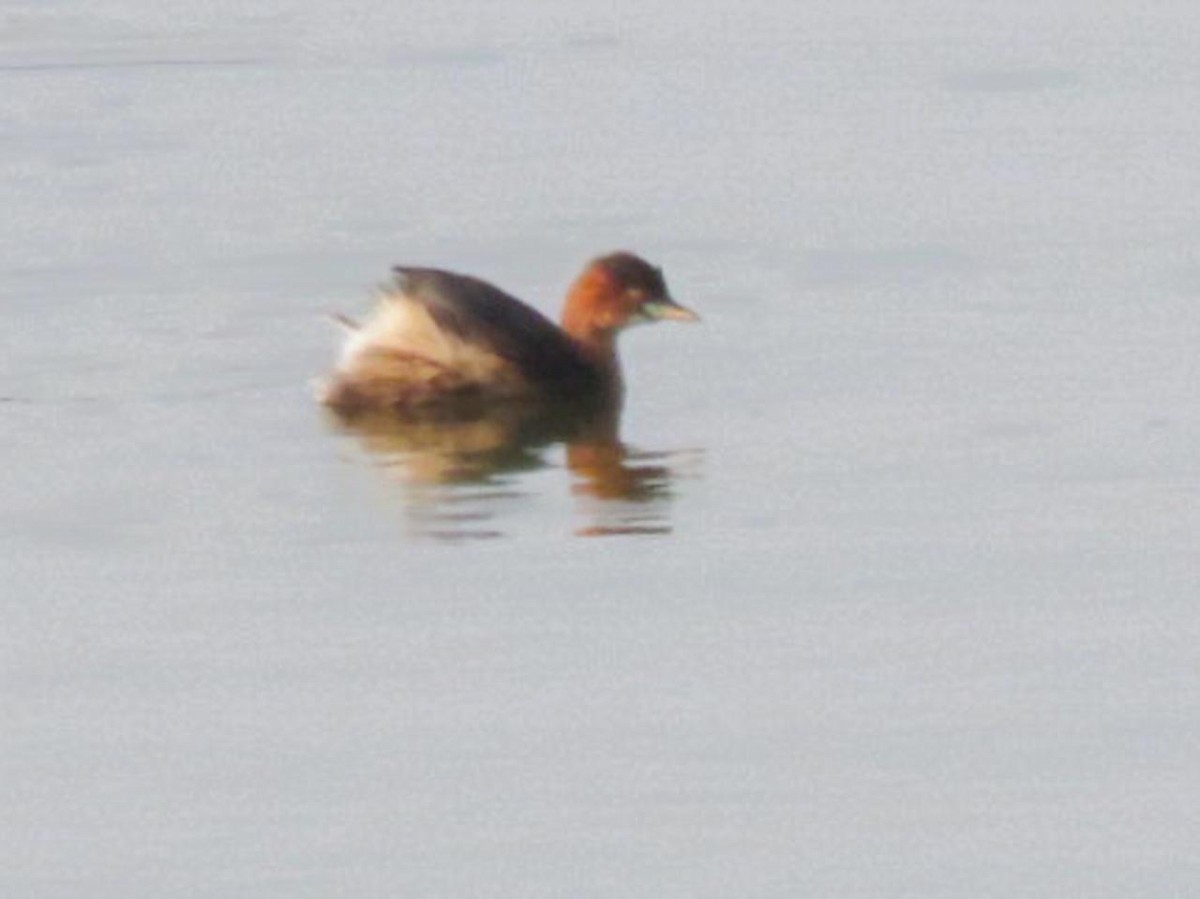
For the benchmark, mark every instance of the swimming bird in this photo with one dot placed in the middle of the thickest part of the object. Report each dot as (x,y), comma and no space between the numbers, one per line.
(437,337)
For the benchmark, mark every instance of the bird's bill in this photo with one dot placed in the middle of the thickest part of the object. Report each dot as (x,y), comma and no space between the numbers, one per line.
(668,310)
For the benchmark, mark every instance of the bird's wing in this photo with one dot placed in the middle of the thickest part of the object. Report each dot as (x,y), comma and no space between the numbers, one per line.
(486,316)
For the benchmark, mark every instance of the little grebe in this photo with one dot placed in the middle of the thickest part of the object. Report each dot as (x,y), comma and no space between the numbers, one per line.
(440,337)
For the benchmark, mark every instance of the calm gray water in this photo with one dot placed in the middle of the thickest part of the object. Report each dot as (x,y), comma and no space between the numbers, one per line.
(890,589)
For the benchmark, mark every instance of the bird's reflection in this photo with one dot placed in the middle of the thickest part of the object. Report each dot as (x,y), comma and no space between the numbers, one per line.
(463,470)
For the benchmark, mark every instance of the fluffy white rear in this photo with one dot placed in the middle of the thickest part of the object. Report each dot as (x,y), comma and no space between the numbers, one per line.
(402,328)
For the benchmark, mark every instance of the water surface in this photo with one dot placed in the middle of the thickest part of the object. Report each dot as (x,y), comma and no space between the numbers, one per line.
(885,585)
